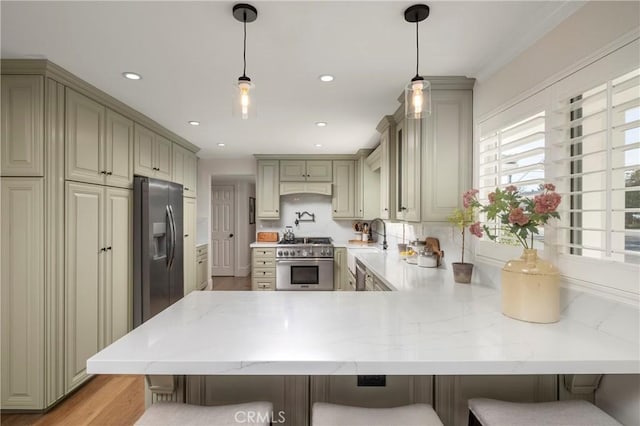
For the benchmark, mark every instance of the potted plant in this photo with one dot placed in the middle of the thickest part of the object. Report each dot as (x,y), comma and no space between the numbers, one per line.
(461,218)
(530,289)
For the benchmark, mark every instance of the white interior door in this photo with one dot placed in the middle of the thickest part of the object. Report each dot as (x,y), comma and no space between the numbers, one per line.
(223,230)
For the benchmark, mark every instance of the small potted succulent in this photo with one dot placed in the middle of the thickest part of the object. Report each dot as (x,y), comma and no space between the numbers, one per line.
(461,219)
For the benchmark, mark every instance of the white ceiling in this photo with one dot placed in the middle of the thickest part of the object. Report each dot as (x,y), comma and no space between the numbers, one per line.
(190,55)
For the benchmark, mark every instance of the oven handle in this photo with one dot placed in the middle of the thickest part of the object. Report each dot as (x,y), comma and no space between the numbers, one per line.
(303,260)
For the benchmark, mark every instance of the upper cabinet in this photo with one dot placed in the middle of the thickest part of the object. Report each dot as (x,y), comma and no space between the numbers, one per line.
(447,152)
(305,170)
(407,152)
(268,190)
(185,166)
(152,154)
(22,125)
(387,129)
(344,196)
(98,143)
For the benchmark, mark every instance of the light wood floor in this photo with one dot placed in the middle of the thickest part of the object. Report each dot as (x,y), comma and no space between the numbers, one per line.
(231,283)
(105,400)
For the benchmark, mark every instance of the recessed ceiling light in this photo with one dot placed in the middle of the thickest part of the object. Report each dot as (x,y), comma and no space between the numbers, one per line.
(318,145)
(131,75)
(194,123)
(326,78)
(321,123)
(220,145)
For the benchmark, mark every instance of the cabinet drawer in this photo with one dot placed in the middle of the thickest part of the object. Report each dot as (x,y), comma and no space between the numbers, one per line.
(264,252)
(264,262)
(262,284)
(264,272)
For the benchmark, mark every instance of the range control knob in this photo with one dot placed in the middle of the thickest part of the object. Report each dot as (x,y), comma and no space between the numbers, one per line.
(286,252)
(304,252)
(297,252)
(280,253)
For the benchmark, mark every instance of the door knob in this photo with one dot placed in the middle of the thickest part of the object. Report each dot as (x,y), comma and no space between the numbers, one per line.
(230,235)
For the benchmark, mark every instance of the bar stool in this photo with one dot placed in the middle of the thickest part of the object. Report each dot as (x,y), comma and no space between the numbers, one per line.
(174,413)
(492,412)
(325,414)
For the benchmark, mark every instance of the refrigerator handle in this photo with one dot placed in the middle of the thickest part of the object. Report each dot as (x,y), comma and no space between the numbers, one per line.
(173,237)
(169,237)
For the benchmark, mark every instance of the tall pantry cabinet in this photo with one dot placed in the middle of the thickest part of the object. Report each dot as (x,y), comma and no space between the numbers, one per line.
(66,169)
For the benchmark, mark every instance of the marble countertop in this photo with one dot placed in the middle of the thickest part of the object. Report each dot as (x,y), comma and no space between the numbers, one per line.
(441,329)
(266,245)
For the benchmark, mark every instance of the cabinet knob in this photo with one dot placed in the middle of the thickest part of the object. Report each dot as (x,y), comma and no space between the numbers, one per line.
(103,249)
(335,211)
(109,173)
(277,211)
(200,261)
(109,248)
(186,235)
(386,209)
(103,172)
(403,208)
(186,189)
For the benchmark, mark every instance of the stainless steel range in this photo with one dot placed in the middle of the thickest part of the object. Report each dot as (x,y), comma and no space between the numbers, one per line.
(304,264)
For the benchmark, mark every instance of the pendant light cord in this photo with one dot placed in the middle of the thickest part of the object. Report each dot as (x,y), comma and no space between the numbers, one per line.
(417,50)
(244,49)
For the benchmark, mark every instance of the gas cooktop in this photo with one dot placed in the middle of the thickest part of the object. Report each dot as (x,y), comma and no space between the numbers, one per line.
(307,241)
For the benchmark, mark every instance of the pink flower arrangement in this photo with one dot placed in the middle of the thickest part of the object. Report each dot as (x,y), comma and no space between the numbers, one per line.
(519,215)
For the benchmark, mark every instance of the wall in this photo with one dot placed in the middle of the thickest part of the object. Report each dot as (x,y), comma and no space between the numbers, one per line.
(320,205)
(590,29)
(575,42)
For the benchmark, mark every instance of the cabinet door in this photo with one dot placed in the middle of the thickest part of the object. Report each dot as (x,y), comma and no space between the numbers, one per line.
(143,151)
(119,150)
(190,279)
(162,157)
(268,190)
(117,304)
(387,173)
(358,188)
(319,171)
(178,164)
(339,265)
(343,200)
(447,141)
(22,126)
(413,170)
(22,293)
(84,257)
(293,170)
(190,174)
(84,141)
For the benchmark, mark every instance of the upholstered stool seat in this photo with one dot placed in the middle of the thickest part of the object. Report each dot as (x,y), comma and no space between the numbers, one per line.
(324,414)
(492,412)
(176,414)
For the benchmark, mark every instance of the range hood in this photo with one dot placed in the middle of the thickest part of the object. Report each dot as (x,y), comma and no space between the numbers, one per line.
(321,188)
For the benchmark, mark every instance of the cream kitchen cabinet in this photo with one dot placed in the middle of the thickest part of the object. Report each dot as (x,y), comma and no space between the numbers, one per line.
(98,272)
(305,170)
(22,126)
(185,165)
(23,293)
(340,270)
(189,245)
(98,143)
(387,129)
(447,141)
(263,268)
(268,190)
(152,154)
(344,196)
(366,188)
(202,268)
(408,167)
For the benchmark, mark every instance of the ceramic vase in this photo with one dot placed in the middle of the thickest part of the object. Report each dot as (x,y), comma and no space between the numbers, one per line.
(462,272)
(530,289)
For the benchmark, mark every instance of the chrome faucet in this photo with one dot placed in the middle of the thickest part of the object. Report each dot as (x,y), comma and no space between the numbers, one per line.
(384,231)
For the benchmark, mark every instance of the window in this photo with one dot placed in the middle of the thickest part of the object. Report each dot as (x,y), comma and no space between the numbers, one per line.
(513,154)
(599,171)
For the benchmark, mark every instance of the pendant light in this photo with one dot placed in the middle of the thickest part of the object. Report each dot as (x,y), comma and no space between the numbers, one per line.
(244,13)
(417,94)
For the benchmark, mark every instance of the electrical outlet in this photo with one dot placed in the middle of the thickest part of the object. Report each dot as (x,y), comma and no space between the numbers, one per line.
(378,381)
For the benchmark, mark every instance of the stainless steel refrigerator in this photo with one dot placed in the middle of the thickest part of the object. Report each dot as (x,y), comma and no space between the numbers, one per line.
(158,247)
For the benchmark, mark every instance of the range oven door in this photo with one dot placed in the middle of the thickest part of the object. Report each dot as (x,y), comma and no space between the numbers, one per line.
(304,274)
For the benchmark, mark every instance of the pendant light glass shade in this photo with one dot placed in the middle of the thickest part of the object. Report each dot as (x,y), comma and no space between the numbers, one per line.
(417,99)
(244,102)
